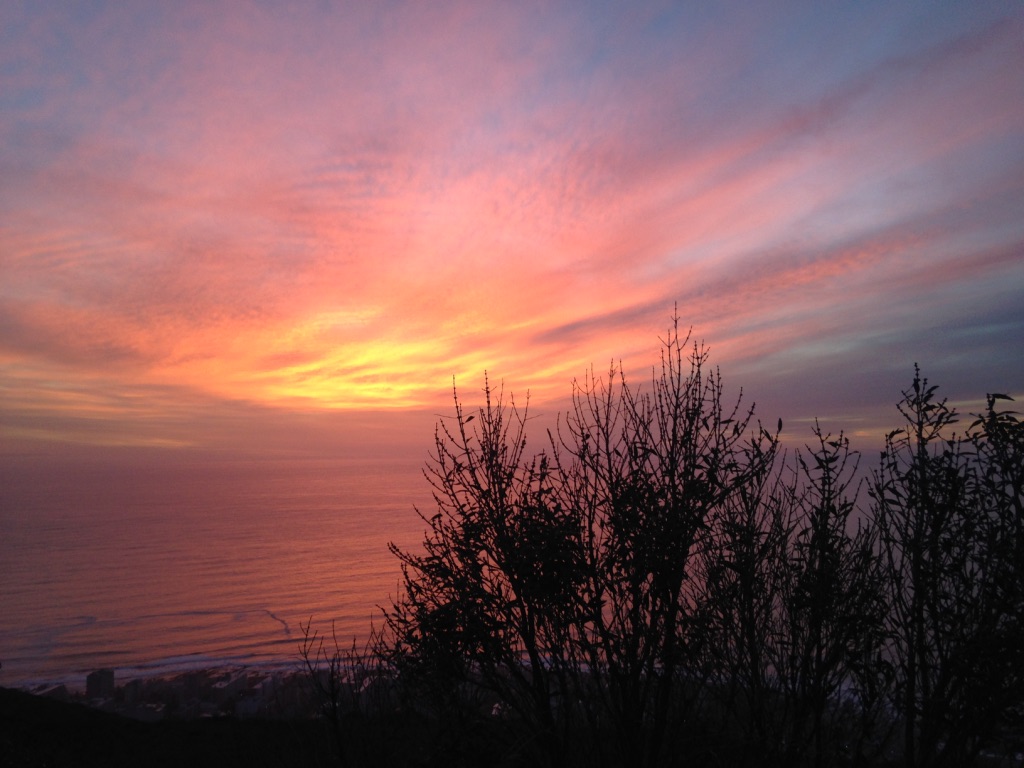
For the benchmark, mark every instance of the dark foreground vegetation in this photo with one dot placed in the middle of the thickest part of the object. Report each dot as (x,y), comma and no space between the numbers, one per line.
(662,586)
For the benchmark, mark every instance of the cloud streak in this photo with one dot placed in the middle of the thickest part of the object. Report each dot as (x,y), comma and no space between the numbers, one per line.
(317,210)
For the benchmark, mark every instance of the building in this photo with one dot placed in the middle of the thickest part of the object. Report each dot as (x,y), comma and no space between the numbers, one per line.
(100,684)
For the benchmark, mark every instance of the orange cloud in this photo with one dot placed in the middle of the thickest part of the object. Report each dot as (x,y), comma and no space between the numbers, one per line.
(344,211)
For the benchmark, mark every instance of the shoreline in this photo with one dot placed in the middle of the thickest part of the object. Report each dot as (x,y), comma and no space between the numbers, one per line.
(243,691)
(75,681)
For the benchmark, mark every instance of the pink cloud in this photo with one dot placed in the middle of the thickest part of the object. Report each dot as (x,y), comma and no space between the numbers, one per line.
(349,209)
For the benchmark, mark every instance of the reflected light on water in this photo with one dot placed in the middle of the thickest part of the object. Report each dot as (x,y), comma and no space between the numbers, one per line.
(152,567)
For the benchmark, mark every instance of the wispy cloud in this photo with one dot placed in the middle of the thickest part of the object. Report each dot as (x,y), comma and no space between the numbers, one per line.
(317,209)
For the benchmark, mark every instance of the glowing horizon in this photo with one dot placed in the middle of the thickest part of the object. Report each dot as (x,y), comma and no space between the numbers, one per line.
(253,211)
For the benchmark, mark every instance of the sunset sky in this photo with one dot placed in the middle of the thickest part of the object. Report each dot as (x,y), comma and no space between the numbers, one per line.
(259,223)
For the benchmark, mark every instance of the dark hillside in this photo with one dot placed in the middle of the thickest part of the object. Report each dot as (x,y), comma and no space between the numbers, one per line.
(36,731)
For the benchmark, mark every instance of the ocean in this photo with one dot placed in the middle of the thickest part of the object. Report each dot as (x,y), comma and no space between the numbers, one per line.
(154,567)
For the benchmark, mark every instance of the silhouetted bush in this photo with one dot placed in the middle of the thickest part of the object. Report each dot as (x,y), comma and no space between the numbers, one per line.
(660,585)
(948,509)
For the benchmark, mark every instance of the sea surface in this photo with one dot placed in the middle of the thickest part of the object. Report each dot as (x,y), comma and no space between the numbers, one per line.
(153,567)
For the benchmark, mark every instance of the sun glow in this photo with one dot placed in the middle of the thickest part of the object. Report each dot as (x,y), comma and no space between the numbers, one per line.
(341,211)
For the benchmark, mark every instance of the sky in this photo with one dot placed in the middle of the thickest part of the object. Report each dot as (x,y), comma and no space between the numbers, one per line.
(292,226)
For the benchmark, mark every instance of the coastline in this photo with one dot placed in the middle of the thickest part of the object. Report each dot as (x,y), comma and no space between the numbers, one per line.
(166,668)
(242,691)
